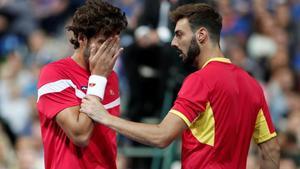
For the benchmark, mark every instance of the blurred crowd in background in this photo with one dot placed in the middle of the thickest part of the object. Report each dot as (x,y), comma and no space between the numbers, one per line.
(261,36)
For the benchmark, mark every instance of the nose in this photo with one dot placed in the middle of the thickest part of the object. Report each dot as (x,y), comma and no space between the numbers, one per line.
(174,43)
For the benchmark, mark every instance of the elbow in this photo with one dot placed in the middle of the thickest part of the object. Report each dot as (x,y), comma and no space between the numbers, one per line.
(81,143)
(162,138)
(162,142)
(162,145)
(81,140)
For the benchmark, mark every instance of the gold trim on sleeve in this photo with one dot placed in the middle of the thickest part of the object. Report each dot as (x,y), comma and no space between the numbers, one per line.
(182,116)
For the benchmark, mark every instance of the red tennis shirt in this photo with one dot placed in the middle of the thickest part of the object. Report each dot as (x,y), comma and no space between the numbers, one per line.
(63,84)
(224,108)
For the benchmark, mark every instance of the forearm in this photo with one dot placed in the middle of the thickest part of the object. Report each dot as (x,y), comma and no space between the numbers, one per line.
(81,130)
(149,134)
(270,161)
(159,135)
(83,125)
(270,155)
(77,126)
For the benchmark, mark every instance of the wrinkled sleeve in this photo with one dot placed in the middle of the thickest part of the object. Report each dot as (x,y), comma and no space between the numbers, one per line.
(191,99)
(264,128)
(55,92)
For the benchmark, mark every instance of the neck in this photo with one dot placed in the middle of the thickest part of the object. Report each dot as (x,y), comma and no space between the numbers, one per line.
(78,57)
(208,52)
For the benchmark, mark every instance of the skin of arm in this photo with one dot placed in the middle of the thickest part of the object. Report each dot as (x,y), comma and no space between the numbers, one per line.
(77,126)
(270,154)
(158,135)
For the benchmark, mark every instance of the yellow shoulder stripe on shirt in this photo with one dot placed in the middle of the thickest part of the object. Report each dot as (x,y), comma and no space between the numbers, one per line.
(261,131)
(185,119)
(203,127)
(219,59)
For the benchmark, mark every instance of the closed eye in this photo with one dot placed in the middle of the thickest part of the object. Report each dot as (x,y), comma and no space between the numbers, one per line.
(178,34)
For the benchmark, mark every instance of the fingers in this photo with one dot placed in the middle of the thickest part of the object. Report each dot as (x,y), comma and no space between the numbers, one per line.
(86,98)
(104,60)
(108,46)
(91,98)
(115,57)
(105,45)
(112,48)
(106,50)
(115,48)
(100,50)
(83,108)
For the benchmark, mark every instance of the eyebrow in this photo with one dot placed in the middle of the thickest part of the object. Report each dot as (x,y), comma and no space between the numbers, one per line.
(178,32)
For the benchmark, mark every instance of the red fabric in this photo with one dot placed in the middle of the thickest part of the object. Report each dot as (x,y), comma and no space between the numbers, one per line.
(59,151)
(235,99)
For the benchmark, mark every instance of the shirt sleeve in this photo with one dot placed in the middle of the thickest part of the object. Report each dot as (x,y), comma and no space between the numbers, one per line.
(191,100)
(55,92)
(264,128)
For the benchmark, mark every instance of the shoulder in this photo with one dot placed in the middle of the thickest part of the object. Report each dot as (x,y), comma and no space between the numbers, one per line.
(251,84)
(194,81)
(56,65)
(194,77)
(52,72)
(257,85)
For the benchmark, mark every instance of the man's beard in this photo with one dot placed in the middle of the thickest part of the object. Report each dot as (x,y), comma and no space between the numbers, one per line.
(192,53)
(86,55)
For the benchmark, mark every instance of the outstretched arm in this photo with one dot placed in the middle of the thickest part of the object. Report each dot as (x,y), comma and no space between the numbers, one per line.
(270,157)
(158,135)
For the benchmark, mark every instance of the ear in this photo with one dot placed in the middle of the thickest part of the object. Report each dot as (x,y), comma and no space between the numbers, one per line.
(82,40)
(201,35)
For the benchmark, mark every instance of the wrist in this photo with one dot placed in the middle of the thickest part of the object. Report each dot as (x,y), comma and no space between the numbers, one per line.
(107,120)
(96,86)
(103,74)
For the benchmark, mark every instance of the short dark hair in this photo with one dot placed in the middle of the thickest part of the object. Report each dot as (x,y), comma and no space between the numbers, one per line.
(198,15)
(96,17)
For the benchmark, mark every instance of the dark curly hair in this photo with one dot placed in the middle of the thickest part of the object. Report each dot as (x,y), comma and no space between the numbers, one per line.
(198,15)
(96,17)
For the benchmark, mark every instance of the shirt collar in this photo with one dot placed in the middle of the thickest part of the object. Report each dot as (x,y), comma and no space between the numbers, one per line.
(218,59)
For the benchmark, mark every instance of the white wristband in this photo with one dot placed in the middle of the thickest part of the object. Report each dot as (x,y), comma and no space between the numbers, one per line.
(96,86)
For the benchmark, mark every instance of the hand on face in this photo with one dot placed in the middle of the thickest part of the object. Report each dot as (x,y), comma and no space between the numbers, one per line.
(91,106)
(103,59)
